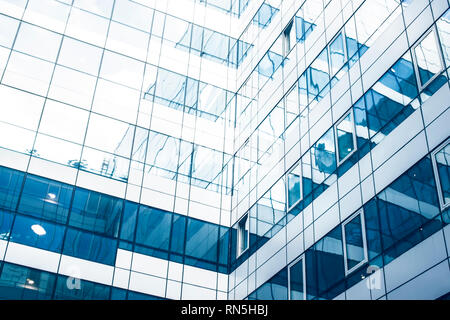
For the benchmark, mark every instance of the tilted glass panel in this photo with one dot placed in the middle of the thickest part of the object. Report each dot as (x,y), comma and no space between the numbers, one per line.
(243,233)
(22,283)
(88,246)
(428,58)
(6,220)
(337,54)
(10,187)
(153,228)
(354,243)
(96,212)
(442,159)
(47,199)
(345,137)
(296,283)
(443,26)
(294,181)
(36,233)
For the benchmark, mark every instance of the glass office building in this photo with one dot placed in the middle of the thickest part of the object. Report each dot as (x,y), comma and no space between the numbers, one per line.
(224,149)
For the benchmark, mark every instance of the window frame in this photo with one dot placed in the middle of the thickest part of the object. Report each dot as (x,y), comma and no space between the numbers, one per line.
(336,137)
(287,39)
(360,212)
(303,258)
(344,44)
(439,52)
(437,178)
(297,165)
(239,250)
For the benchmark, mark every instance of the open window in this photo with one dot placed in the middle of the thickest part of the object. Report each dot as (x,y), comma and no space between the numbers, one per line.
(441,167)
(428,60)
(243,235)
(297,280)
(294,186)
(354,242)
(345,135)
(289,38)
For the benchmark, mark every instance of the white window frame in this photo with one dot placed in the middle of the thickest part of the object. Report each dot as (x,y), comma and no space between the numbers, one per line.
(364,238)
(302,257)
(414,57)
(436,174)
(355,141)
(298,164)
(240,251)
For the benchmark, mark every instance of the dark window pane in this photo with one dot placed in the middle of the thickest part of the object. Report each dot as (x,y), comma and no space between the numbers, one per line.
(128,226)
(91,247)
(46,199)
(22,283)
(10,184)
(36,233)
(5,224)
(87,291)
(96,212)
(442,159)
(354,242)
(201,240)
(296,281)
(153,228)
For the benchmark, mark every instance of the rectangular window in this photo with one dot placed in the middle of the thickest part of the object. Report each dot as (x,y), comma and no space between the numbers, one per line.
(354,242)
(297,280)
(289,38)
(338,53)
(428,59)
(441,166)
(294,186)
(345,137)
(243,234)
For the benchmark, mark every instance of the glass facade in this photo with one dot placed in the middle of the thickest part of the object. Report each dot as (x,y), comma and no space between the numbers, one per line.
(221,149)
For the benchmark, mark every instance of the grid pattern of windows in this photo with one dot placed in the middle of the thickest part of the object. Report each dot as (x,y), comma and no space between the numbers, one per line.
(193,149)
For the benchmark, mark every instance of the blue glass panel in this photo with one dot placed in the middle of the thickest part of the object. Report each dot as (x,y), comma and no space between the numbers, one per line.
(178,234)
(128,226)
(91,247)
(275,289)
(6,219)
(36,233)
(47,199)
(265,15)
(96,212)
(10,184)
(87,291)
(201,240)
(22,283)
(153,228)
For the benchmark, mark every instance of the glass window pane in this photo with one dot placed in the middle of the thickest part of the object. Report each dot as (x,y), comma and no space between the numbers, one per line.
(296,281)
(38,42)
(337,54)
(85,245)
(428,58)
(243,233)
(6,220)
(345,135)
(354,243)
(87,290)
(201,240)
(96,212)
(294,186)
(10,187)
(153,228)
(442,159)
(22,283)
(36,233)
(47,199)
